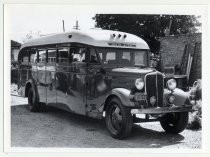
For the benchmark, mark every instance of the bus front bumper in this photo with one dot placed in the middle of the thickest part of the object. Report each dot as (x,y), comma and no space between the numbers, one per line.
(159,110)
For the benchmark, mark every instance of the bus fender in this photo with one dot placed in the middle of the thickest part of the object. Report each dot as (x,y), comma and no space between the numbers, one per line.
(122,94)
(181,97)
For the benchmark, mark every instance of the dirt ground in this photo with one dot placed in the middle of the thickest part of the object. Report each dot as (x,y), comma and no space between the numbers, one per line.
(57,128)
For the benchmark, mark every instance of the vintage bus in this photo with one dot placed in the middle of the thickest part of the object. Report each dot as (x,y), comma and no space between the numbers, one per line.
(100,73)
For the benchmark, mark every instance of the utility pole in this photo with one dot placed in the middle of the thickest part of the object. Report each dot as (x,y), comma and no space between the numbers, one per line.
(168,29)
(63,26)
(77,25)
(170,26)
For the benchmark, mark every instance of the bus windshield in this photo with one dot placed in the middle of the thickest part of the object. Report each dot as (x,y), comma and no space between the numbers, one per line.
(123,57)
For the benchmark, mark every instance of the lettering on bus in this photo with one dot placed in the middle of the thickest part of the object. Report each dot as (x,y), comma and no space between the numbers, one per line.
(121,44)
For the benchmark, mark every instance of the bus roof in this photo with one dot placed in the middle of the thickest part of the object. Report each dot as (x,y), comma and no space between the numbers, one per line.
(99,38)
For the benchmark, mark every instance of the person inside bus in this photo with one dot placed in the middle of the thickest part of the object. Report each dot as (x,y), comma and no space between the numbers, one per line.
(93,58)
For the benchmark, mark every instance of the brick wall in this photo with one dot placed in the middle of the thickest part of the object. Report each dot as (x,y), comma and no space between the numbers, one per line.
(172,49)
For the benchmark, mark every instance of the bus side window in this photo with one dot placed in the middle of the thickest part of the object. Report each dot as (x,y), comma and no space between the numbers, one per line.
(51,54)
(41,56)
(32,56)
(93,57)
(78,54)
(101,55)
(25,57)
(63,56)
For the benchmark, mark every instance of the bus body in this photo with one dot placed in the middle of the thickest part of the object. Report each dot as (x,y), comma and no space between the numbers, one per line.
(100,71)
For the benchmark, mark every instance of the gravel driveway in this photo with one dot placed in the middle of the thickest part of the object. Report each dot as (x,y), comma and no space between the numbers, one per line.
(57,128)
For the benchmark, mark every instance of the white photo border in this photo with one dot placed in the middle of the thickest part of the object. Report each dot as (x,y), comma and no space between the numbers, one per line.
(202,10)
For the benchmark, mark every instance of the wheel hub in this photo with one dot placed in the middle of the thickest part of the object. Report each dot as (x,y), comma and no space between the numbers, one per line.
(116,118)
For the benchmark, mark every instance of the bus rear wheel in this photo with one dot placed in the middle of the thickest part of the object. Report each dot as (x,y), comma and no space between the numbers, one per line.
(118,118)
(174,122)
(34,105)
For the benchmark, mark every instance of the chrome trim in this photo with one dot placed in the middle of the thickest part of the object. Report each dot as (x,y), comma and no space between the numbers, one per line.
(157,89)
(159,110)
(153,73)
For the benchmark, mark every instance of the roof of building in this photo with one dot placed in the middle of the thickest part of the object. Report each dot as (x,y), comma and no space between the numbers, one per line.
(15,44)
(99,38)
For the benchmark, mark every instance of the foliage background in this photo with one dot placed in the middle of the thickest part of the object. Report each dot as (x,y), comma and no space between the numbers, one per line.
(149,27)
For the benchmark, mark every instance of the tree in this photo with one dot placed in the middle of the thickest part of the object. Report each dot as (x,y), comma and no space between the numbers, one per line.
(31,35)
(149,27)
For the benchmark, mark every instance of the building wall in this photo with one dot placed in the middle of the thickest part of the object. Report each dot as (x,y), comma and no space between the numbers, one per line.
(14,53)
(172,49)
(15,47)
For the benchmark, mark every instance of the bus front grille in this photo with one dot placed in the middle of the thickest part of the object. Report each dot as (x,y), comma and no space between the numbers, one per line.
(154,88)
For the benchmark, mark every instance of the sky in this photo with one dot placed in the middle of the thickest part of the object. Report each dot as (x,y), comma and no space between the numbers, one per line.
(21,19)
(46,19)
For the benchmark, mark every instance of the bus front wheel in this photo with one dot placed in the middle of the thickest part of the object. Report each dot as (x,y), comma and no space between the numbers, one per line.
(118,118)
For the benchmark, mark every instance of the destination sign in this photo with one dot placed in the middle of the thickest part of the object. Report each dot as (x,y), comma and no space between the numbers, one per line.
(121,44)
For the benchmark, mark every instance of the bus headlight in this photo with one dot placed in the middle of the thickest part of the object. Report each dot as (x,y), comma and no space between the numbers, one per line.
(139,83)
(171,84)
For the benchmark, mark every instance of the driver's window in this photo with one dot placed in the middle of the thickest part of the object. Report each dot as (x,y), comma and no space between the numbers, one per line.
(93,57)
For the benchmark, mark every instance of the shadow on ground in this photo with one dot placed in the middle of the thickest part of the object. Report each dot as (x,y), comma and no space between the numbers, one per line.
(57,128)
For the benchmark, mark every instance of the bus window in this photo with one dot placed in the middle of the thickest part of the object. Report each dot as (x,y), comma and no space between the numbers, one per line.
(123,57)
(32,56)
(93,56)
(126,56)
(42,56)
(51,56)
(140,58)
(78,54)
(63,55)
(25,57)
(111,58)
(100,55)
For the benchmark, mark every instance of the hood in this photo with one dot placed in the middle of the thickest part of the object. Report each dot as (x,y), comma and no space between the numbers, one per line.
(125,77)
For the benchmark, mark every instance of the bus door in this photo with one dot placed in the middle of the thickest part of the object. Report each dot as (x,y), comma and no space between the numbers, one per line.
(76,89)
(41,77)
(50,76)
(32,64)
(61,76)
(97,85)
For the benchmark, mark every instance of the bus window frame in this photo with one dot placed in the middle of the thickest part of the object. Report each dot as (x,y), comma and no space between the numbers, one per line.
(57,54)
(38,54)
(97,55)
(103,54)
(30,54)
(23,55)
(75,45)
(50,47)
(46,56)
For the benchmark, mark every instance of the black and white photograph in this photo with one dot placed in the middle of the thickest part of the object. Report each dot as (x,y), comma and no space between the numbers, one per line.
(85,78)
